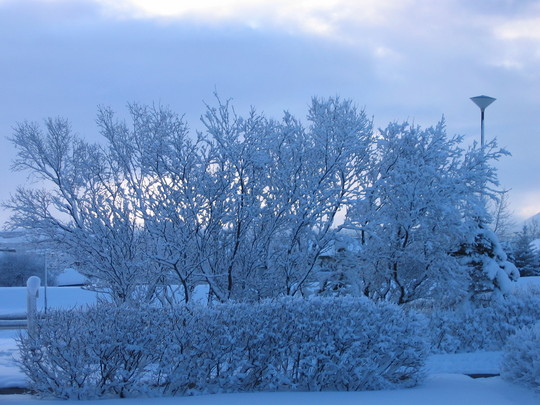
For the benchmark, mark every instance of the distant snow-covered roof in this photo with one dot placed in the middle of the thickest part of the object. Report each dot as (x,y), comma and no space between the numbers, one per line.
(70,277)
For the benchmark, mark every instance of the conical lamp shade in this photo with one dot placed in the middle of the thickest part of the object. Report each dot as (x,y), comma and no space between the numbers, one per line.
(483,101)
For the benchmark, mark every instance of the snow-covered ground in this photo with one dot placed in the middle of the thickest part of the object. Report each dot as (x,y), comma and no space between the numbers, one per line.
(10,375)
(439,389)
(527,285)
(13,299)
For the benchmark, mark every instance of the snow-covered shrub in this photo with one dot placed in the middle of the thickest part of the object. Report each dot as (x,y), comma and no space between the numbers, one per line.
(317,344)
(477,327)
(521,360)
(286,344)
(99,352)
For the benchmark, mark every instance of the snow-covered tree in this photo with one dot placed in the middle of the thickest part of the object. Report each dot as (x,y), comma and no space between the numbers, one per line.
(274,190)
(526,257)
(235,233)
(499,210)
(83,208)
(490,271)
(419,199)
(248,205)
(481,252)
(161,166)
(314,178)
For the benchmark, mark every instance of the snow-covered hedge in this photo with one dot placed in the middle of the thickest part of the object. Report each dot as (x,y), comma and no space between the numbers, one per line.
(287,344)
(521,360)
(91,353)
(482,327)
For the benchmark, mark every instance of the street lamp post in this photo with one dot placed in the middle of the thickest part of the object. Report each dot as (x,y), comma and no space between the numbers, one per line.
(46,271)
(483,102)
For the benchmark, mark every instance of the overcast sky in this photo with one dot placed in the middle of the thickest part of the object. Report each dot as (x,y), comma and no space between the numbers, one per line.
(414,60)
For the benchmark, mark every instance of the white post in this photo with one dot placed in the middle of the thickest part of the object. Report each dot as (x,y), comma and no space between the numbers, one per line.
(32,289)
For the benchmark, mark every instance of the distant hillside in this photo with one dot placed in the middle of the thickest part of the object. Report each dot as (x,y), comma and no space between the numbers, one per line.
(15,240)
(533,225)
(534,218)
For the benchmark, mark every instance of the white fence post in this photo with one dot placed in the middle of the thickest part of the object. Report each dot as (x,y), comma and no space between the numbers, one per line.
(32,289)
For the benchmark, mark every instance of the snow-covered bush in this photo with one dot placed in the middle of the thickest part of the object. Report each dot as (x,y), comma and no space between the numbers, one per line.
(317,344)
(102,351)
(477,327)
(286,344)
(521,360)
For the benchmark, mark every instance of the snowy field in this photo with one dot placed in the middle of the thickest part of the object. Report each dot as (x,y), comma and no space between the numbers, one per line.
(447,380)
(13,299)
